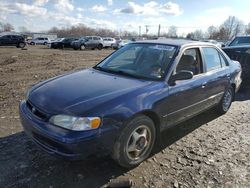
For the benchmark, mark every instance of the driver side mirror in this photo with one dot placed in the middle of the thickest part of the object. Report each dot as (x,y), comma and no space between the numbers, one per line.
(182,75)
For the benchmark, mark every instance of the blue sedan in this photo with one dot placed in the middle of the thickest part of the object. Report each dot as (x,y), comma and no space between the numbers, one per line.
(121,105)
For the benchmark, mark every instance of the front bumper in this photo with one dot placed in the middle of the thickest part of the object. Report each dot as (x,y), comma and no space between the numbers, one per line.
(68,144)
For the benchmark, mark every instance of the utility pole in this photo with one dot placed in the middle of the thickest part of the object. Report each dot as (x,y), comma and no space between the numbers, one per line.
(146,26)
(139,32)
(159,30)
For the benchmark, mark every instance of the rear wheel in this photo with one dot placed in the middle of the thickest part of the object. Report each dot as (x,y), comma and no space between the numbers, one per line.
(45,43)
(21,45)
(100,46)
(135,143)
(226,101)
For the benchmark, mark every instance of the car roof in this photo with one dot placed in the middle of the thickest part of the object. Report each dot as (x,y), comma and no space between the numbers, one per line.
(176,42)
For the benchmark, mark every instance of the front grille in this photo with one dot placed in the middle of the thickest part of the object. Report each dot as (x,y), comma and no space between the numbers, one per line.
(38,113)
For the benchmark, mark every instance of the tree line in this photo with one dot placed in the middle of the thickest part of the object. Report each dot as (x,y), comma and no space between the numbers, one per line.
(231,27)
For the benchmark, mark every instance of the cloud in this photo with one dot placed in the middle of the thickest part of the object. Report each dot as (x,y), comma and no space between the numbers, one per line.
(63,5)
(79,19)
(110,2)
(151,8)
(221,10)
(22,9)
(98,8)
(214,16)
(40,2)
(80,9)
(171,8)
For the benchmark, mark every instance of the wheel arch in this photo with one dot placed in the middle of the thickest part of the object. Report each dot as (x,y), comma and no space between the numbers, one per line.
(233,85)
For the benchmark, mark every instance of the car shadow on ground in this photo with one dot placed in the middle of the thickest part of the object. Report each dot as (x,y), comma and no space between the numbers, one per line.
(243,94)
(22,163)
(175,133)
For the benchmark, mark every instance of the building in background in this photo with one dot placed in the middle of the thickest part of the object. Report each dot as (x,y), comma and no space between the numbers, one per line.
(30,36)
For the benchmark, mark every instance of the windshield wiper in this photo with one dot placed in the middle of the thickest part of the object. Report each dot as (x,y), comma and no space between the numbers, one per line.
(120,72)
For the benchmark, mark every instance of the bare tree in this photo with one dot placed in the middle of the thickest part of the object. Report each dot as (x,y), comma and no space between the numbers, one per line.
(198,34)
(211,31)
(232,26)
(7,27)
(82,30)
(247,30)
(172,31)
(4,27)
(23,29)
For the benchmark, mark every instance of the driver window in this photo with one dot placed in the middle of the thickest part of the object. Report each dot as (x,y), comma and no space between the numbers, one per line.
(190,61)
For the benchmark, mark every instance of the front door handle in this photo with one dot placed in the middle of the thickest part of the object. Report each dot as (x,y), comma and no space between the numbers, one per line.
(204,85)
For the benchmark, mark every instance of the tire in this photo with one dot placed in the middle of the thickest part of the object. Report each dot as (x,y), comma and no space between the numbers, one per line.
(100,46)
(135,142)
(82,47)
(32,43)
(21,45)
(45,43)
(226,101)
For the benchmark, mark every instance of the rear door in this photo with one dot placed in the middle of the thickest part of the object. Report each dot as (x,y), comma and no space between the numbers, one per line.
(217,70)
(89,43)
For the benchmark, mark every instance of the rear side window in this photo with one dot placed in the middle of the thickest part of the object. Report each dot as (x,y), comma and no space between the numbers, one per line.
(223,61)
(212,58)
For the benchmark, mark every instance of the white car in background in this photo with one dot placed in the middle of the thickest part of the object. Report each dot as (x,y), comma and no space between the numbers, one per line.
(108,42)
(123,43)
(40,40)
(216,43)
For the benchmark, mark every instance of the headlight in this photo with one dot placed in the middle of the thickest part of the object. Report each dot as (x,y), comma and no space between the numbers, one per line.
(76,123)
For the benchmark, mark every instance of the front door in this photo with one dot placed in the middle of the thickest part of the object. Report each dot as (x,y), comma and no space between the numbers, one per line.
(186,98)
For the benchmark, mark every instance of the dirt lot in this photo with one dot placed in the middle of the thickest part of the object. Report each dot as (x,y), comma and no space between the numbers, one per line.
(206,151)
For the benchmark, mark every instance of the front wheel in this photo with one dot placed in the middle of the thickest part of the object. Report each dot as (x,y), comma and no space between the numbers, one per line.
(135,143)
(82,47)
(226,101)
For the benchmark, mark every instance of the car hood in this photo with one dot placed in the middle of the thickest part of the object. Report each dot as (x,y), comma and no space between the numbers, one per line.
(89,86)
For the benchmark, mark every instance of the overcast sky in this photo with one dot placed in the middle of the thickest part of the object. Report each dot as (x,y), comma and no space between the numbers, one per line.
(188,15)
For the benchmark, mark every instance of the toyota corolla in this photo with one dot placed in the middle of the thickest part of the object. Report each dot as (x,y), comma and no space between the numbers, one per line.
(121,105)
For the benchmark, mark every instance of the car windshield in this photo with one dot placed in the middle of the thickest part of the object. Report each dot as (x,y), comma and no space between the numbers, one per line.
(240,41)
(146,61)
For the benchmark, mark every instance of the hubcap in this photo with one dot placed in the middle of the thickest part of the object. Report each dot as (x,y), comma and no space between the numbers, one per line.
(227,100)
(139,142)
(82,47)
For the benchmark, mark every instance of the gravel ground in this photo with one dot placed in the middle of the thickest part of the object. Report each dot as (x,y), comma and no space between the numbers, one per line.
(206,151)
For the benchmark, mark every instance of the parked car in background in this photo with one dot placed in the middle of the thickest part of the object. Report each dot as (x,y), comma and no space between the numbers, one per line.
(121,105)
(63,43)
(123,43)
(12,40)
(239,49)
(117,41)
(88,42)
(216,43)
(40,40)
(109,42)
